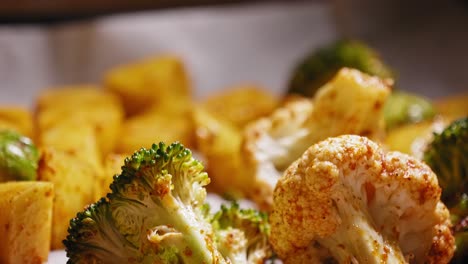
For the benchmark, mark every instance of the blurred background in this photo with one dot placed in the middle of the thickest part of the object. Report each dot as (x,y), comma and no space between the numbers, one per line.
(47,43)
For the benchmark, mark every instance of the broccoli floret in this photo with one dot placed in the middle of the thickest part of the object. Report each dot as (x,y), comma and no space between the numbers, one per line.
(406,108)
(250,229)
(321,65)
(18,157)
(155,213)
(447,155)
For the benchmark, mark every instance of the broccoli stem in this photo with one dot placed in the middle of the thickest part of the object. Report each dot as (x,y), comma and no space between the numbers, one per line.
(194,233)
(356,240)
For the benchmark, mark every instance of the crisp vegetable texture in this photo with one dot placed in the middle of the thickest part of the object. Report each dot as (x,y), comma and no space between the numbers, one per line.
(322,64)
(351,103)
(348,200)
(459,215)
(242,234)
(18,157)
(155,213)
(447,155)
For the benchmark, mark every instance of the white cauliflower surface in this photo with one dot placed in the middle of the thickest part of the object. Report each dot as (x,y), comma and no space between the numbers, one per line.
(348,200)
(351,103)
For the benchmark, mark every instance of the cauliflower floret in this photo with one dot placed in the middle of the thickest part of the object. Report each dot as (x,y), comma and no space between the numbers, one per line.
(347,199)
(351,103)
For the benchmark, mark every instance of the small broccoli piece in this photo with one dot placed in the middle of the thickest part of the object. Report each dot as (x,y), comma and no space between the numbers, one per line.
(406,108)
(348,199)
(321,65)
(447,155)
(18,157)
(459,215)
(242,234)
(156,213)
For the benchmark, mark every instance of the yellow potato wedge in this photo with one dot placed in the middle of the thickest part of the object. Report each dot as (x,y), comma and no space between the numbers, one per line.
(74,184)
(153,127)
(241,104)
(74,138)
(219,142)
(25,221)
(149,82)
(82,104)
(112,166)
(413,138)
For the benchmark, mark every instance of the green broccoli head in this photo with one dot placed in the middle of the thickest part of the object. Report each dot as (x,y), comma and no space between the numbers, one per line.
(154,214)
(447,155)
(320,66)
(242,234)
(18,157)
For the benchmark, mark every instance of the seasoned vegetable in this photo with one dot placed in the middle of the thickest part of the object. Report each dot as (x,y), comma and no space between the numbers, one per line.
(319,67)
(251,229)
(322,64)
(351,103)
(25,221)
(459,215)
(406,108)
(348,200)
(18,157)
(155,213)
(447,155)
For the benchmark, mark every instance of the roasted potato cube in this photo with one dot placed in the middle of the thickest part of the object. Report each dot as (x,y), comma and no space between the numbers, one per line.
(16,118)
(111,166)
(83,104)
(25,221)
(219,142)
(413,138)
(241,104)
(74,184)
(152,127)
(141,85)
(74,138)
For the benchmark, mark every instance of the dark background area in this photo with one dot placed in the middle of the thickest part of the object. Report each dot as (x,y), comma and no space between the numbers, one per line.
(54,11)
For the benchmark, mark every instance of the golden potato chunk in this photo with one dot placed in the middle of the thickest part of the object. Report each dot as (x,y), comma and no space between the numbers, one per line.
(74,183)
(74,138)
(241,104)
(149,82)
(16,118)
(25,221)
(112,166)
(219,142)
(153,127)
(84,104)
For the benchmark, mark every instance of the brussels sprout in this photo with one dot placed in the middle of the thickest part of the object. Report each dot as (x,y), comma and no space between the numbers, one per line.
(18,157)
(321,65)
(406,108)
